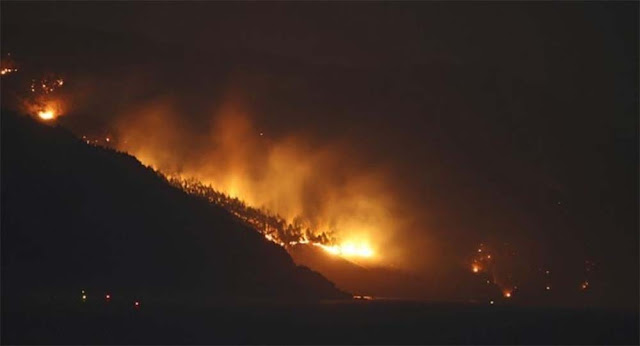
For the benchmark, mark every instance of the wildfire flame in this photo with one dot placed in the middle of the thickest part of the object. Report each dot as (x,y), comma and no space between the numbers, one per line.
(348,250)
(44,109)
(47,114)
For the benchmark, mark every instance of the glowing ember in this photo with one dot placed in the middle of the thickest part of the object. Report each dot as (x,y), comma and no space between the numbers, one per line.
(507,294)
(363,297)
(475,268)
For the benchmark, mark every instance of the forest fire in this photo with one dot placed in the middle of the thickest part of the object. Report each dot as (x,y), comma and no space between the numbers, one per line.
(286,188)
(274,227)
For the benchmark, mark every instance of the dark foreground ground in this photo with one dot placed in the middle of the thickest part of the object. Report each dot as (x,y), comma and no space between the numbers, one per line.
(352,322)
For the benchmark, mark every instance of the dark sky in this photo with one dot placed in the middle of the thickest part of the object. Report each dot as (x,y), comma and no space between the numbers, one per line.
(495,121)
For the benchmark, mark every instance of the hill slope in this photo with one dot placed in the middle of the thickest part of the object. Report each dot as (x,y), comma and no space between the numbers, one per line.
(78,217)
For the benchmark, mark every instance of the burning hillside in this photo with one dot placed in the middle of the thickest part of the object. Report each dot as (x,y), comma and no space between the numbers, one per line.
(266,187)
(274,227)
(288,188)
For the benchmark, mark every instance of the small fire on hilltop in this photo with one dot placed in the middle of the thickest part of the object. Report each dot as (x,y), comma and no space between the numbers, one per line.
(47,114)
(45,109)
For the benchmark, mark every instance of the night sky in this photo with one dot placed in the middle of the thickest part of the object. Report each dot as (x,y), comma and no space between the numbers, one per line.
(492,123)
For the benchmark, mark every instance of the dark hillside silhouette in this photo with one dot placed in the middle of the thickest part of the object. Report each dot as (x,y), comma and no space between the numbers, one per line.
(75,216)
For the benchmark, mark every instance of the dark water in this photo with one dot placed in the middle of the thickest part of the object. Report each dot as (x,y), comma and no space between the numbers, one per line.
(352,322)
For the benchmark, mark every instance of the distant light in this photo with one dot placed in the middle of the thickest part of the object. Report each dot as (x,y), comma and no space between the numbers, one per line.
(491,302)
(548,288)
(475,268)
(107,139)
(547,272)
(479,250)
(108,296)
(84,297)
(507,294)
(136,304)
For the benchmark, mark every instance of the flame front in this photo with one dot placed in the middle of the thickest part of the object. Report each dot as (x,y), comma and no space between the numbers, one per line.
(348,250)
(273,227)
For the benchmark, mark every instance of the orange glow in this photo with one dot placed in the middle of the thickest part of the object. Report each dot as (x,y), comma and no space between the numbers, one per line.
(507,294)
(47,114)
(44,108)
(348,250)
(475,268)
